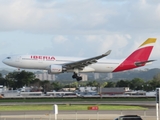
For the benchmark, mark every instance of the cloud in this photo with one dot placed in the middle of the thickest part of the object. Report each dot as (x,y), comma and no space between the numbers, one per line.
(80,17)
(79,27)
(60,39)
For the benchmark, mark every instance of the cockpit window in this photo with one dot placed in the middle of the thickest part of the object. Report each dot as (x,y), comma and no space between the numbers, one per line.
(8,57)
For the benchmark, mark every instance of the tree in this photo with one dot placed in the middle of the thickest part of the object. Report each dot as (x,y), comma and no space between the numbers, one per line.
(93,84)
(111,84)
(47,86)
(104,84)
(26,77)
(137,84)
(19,79)
(2,80)
(123,83)
(11,80)
(57,86)
(154,84)
(148,86)
(36,82)
(157,77)
(74,84)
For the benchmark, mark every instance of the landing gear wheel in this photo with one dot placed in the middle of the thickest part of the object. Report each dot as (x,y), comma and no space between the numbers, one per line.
(74,75)
(79,78)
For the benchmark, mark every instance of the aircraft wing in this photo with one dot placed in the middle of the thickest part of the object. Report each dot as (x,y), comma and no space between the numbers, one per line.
(83,63)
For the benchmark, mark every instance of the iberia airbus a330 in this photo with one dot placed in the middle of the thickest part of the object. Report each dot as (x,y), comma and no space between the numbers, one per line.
(55,64)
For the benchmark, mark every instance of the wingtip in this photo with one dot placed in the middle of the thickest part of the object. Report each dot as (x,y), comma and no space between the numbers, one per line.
(108,52)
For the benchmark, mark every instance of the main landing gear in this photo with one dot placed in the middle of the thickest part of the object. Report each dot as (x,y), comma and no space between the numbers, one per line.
(75,76)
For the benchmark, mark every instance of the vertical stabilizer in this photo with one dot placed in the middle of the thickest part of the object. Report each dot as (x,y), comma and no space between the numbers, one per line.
(140,55)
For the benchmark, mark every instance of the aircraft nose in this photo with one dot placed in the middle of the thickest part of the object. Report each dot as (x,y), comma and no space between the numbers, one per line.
(4,61)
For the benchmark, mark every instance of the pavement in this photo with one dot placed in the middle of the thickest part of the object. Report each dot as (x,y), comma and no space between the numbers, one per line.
(76,115)
(149,114)
(137,103)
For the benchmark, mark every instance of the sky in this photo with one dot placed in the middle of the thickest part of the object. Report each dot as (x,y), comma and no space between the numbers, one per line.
(80,28)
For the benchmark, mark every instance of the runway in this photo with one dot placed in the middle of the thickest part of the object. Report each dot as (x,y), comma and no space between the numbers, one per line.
(137,103)
(149,114)
(76,115)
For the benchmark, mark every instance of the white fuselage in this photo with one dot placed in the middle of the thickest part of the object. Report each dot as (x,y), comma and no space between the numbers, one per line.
(43,63)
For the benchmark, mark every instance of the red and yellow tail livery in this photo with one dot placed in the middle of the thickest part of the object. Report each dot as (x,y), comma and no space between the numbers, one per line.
(139,57)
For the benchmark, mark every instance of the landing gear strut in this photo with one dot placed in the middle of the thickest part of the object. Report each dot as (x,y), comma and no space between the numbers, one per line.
(75,76)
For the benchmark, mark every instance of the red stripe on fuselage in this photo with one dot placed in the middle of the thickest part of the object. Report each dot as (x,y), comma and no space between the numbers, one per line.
(139,55)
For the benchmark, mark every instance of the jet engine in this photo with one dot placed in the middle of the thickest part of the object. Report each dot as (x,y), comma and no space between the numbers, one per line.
(55,69)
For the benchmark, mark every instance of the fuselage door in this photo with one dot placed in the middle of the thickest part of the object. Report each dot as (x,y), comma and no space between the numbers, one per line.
(18,58)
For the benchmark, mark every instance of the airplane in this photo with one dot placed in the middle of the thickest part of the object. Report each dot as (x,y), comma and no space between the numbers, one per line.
(56,65)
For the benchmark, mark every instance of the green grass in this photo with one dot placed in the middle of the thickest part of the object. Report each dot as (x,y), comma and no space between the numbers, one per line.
(67,107)
(74,99)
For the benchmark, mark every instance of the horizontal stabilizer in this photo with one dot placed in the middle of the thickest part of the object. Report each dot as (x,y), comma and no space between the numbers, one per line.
(142,63)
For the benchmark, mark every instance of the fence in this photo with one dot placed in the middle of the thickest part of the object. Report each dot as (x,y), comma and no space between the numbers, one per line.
(75,115)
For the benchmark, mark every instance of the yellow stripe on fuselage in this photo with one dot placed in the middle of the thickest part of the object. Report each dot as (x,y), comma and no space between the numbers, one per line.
(149,41)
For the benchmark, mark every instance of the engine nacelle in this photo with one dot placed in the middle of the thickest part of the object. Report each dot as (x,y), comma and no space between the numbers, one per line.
(55,69)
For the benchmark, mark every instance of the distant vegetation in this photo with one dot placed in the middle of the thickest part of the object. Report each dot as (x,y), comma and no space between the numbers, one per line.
(145,74)
(15,80)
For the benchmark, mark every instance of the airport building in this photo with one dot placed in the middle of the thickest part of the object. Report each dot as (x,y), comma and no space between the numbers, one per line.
(109,76)
(84,77)
(96,76)
(88,89)
(113,91)
(1,88)
(46,76)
